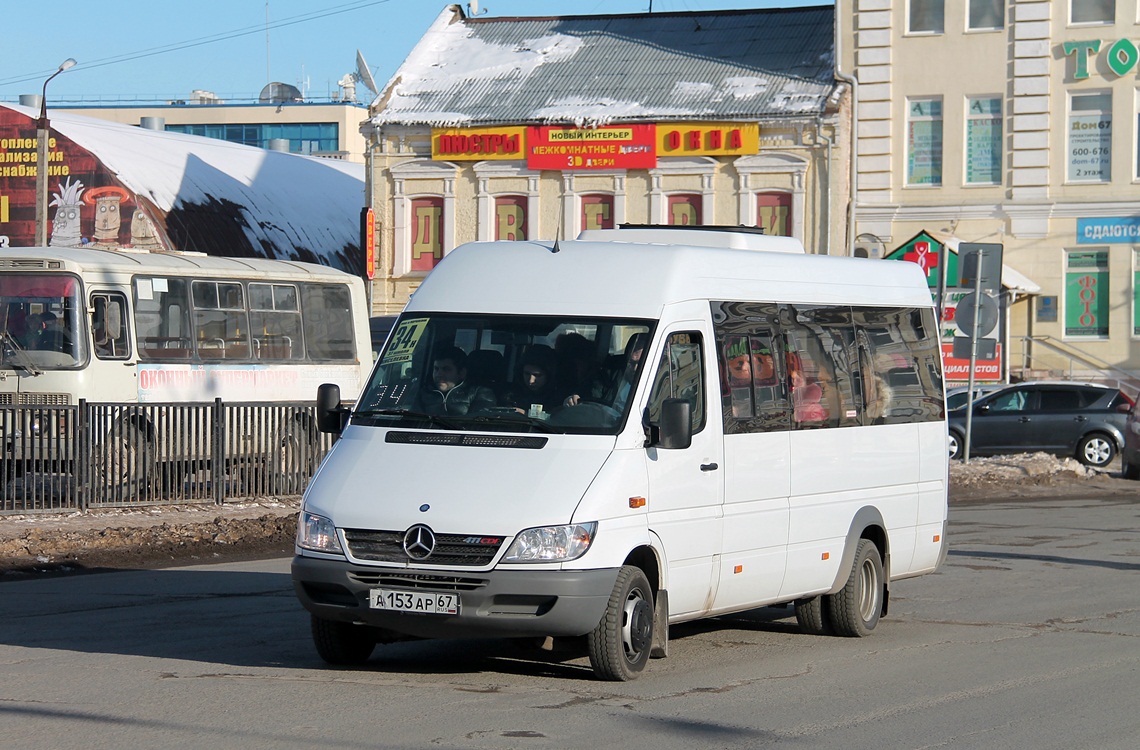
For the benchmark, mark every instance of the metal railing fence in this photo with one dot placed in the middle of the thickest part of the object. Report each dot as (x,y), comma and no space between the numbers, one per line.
(89,455)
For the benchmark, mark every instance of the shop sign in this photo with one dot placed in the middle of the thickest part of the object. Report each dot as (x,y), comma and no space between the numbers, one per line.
(930,255)
(609,147)
(477,144)
(956,369)
(1125,230)
(1121,56)
(707,139)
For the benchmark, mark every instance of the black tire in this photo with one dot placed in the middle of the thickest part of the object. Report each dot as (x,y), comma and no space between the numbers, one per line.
(856,609)
(956,445)
(125,465)
(814,615)
(290,462)
(1130,470)
(1096,449)
(620,644)
(342,643)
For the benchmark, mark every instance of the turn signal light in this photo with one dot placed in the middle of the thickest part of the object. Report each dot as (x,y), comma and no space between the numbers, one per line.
(738,569)
(825,556)
(637,502)
(937,537)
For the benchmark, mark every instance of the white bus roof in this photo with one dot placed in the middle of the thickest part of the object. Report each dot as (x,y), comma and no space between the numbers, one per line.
(119,262)
(631,279)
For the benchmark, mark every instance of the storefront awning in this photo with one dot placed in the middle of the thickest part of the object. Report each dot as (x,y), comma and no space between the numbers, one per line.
(1011,279)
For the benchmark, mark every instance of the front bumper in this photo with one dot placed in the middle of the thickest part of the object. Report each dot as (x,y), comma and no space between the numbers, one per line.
(497,603)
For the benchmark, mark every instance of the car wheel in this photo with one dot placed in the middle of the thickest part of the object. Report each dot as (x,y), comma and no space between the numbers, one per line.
(1096,450)
(620,644)
(342,643)
(1130,470)
(955,445)
(856,609)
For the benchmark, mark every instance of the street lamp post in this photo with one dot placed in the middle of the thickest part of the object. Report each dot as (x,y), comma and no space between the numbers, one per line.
(42,131)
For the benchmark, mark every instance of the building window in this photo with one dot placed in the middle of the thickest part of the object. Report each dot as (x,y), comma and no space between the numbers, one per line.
(303,137)
(510,217)
(926,17)
(685,209)
(774,213)
(1086,294)
(1090,137)
(1092,11)
(427,233)
(983,141)
(986,15)
(597,211)
(924,142)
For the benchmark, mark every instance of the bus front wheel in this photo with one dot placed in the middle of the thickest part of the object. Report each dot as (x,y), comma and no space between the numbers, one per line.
(125,464)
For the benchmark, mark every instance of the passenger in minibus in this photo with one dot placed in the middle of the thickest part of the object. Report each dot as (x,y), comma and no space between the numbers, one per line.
(535,392)
(449,393)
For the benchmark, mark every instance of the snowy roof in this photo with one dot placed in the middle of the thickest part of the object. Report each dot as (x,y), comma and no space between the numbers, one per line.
(591,70)
(221,198)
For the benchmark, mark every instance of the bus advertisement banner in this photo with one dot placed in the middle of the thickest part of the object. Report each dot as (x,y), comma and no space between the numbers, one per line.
(201,383)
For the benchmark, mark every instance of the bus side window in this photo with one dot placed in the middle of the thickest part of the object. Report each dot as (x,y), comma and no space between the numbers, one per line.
(326,311)
(109,325)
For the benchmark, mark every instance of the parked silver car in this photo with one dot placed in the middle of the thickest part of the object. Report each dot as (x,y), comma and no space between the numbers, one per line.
(1085,420)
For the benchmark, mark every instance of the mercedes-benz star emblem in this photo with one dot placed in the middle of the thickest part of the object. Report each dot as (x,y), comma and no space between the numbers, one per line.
(419,542)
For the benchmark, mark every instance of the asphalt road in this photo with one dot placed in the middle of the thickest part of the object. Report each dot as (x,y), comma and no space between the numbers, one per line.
(1029,637)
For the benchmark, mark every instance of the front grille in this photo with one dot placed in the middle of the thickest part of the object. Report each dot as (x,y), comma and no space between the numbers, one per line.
(418,581)
(35,399)
(471,550)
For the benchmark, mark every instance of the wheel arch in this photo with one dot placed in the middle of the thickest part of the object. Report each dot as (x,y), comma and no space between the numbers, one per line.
(867,523)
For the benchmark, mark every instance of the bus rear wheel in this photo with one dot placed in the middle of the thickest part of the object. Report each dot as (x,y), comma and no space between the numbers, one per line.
(855,610)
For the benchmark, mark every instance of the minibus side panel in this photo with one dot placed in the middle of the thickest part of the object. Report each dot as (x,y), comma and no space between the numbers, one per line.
(755,518)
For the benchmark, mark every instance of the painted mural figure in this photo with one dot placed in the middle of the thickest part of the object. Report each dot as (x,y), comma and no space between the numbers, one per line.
(108,219)
(65,227)
(143,234)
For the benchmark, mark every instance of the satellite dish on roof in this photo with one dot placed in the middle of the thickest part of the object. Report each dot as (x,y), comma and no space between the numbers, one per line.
(364,75)
(280,93)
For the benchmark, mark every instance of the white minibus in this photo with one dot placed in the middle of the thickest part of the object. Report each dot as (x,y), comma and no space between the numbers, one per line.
(603,437)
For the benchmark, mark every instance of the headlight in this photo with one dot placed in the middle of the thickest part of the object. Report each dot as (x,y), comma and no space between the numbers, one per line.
(317,533)
(551,543)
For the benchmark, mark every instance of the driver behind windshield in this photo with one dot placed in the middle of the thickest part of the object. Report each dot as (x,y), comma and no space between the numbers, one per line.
(449,393)
(536,393)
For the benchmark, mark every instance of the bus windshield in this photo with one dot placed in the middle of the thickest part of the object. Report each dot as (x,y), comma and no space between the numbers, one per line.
(41,321)
(507,372)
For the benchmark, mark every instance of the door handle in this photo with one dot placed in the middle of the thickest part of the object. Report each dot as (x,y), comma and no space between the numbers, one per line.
(709,467)
(1024,419)
(1081,418)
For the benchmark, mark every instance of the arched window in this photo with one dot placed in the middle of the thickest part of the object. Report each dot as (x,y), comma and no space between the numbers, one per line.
(685,209)
(774,213)
(427,233)
(597,211)
(510,217)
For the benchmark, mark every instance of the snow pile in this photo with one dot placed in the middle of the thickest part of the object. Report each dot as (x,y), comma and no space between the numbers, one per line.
(1030,468)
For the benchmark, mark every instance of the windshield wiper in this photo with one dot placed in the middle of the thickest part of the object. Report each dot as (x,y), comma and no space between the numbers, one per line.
(434,419)
(516,418)
(15,355)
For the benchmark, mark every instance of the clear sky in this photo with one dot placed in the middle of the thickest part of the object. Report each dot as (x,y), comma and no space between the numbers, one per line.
(164,49)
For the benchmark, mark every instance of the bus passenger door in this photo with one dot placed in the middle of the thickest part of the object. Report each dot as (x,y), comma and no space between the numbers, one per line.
(686,485)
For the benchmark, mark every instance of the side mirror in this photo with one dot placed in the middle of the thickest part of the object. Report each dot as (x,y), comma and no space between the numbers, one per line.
(674,431)
(330,414)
